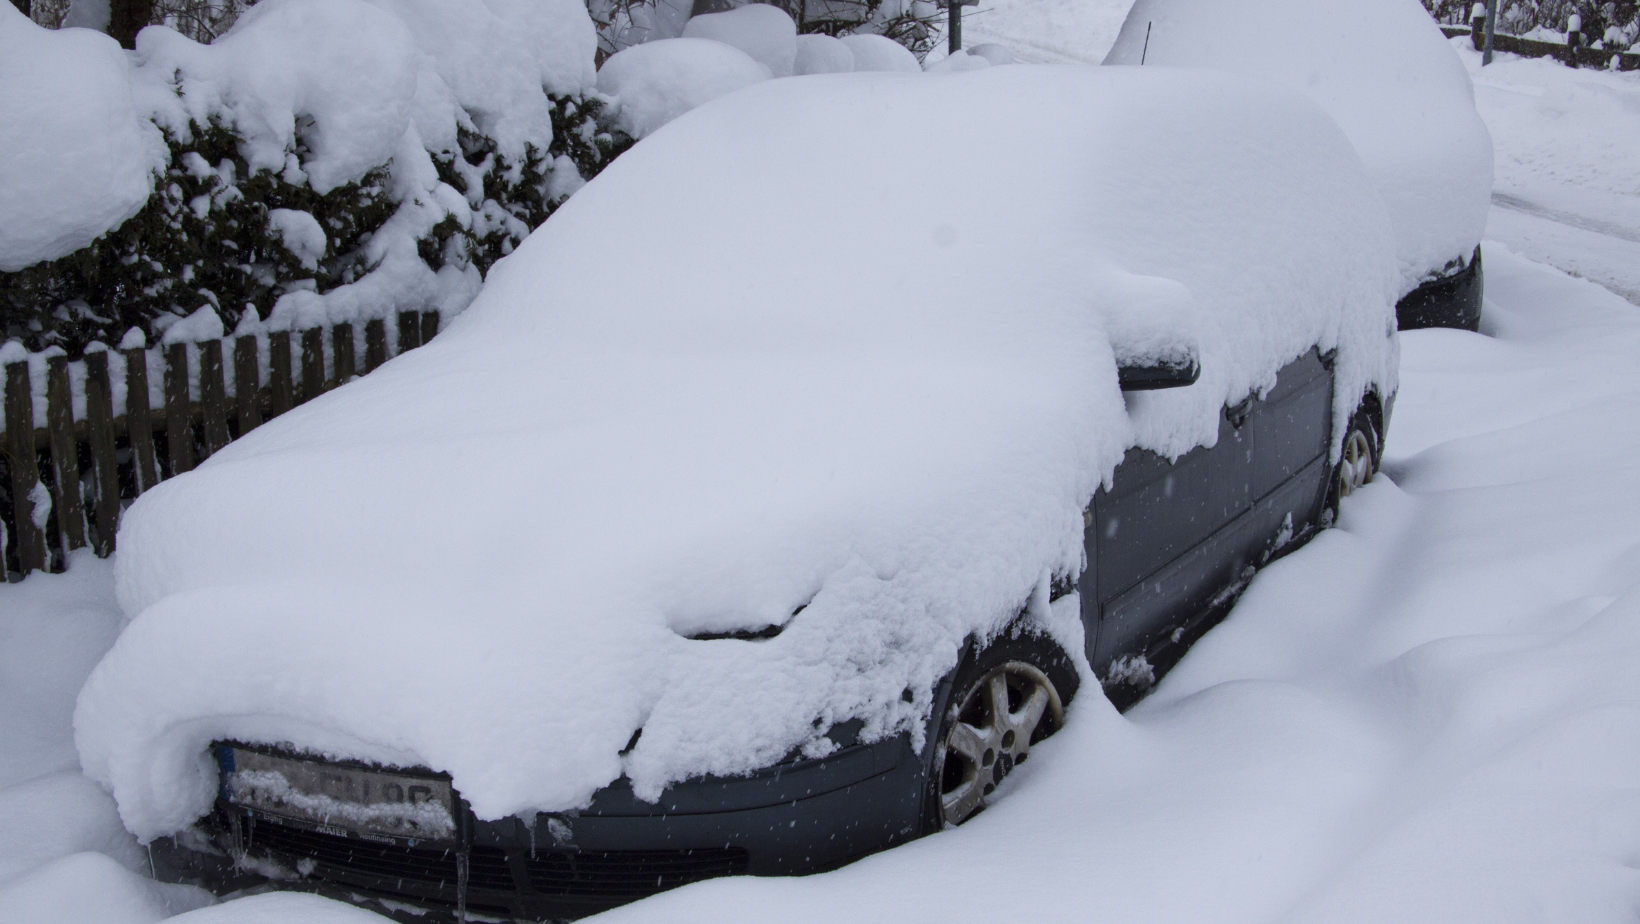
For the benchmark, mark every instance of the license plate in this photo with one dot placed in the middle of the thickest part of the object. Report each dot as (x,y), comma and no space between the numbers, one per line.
(336,798)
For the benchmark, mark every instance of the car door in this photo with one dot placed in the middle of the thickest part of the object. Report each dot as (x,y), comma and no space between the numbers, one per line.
(1291,426)
(1167,541)
(1156,537)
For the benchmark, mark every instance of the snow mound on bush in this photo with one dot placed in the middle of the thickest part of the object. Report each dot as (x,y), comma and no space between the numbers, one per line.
(877,53)
(762,31)
(354,86)
(350,77)
(1394,86)
(344,65)
(993,52)
(658,81)
(525,519)
(957,62)
(492,58)
(822,54)
(76,158)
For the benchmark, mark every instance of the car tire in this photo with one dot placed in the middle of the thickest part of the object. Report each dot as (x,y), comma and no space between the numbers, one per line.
(1357,463)
(977,744)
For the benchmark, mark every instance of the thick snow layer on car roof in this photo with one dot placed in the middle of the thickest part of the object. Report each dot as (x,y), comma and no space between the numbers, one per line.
(840,342)
(1379,67)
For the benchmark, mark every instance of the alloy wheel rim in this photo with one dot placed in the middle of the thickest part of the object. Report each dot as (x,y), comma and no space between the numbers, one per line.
(1011,708)
(1355,468)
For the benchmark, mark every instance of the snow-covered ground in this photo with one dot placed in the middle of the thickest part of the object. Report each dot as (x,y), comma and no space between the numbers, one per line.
(1428,714)
(1567,182)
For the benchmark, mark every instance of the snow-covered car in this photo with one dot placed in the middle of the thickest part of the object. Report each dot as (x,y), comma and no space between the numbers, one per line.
(1383,70)
(769,505)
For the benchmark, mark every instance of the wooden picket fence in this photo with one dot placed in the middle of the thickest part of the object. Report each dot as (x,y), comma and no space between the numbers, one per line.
(68,481)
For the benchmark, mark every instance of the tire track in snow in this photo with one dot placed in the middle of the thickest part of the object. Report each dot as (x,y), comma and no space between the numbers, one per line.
(1561,216)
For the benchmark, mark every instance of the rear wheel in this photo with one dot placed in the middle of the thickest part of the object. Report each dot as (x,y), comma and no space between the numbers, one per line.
(1004,700)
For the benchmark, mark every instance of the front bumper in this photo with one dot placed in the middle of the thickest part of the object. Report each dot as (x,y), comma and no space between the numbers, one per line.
(798,817)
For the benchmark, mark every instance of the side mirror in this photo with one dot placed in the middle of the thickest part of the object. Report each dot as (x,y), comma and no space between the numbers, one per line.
(1173,372)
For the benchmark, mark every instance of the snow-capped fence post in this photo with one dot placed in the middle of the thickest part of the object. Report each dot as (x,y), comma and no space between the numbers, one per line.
(247,384)
(375,344)
(409,331)
(139,426)
(341,348)
(1477,26)
(281,390)
(65,456)
(1574,38)
(179,425)
(213,397)
(313,363)
(25,472)
(99,432)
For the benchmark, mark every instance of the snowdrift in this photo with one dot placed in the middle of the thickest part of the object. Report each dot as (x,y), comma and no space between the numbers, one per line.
(1382,69)
(765,361)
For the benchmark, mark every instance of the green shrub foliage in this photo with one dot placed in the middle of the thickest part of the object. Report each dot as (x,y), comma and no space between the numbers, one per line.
(204,236)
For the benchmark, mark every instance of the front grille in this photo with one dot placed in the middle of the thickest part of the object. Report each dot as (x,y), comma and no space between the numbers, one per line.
(630,873)
(429,874)
(422,872)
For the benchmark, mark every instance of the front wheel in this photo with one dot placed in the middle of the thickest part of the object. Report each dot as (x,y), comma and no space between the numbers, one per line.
(1004,700)
(1357,462)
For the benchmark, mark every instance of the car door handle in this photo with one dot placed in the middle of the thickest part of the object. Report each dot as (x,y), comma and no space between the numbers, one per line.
(1237,413)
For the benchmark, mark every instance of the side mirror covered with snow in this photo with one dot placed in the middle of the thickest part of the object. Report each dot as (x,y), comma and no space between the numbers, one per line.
(1152,324)
(1174,371)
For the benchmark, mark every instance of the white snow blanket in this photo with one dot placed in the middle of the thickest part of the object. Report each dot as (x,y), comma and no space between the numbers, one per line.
(1379,67)
(822,54)
(76,158)
(360,74)
(658,81)
(880,53)
(765,32)
(870,398)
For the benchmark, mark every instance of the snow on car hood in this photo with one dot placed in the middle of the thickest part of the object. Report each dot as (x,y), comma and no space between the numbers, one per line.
(1393,84)
(839,342)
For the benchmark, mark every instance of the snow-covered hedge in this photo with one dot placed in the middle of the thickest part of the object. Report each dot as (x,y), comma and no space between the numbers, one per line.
(325,160)
(719,53)
(1614,22)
